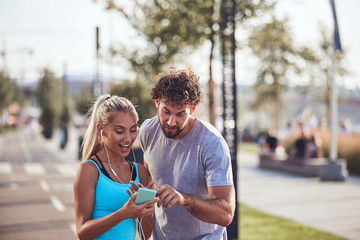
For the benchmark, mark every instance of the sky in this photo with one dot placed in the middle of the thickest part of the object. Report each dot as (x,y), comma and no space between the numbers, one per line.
(60,34)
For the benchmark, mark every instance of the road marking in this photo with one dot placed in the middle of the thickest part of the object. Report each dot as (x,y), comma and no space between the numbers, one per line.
(44,185)
(25,148)
(34,168)
(5,168)
(1,145)
(57,204)
(66,169)
(13,186)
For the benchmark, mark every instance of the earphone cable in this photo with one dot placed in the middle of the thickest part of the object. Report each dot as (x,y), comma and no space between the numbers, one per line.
(141,230)
(107,154)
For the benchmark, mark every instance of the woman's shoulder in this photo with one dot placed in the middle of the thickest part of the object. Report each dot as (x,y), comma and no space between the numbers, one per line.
(140,166)
(87,167)
(87,174)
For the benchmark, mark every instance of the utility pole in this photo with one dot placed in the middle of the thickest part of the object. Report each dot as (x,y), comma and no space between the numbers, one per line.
(227,26)
(97,86)
(334,90)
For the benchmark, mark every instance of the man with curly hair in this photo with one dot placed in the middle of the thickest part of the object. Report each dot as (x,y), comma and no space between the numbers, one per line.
(189,161)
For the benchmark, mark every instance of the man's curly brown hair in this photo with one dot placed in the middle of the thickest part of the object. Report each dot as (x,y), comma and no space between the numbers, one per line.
(178,87)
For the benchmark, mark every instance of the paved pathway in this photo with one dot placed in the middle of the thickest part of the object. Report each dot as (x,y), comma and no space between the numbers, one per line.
(330,206)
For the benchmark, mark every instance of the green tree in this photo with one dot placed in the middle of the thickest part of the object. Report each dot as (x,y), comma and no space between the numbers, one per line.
(49,97)
(83,102)
(319,87)
(273,45)
(138,93)
(8,90)
(175,28)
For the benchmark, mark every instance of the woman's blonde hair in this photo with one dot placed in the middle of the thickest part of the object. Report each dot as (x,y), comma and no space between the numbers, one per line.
(102,113)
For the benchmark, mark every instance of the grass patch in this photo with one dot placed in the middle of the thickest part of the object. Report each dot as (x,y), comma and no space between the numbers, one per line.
(249,147)
(256,225)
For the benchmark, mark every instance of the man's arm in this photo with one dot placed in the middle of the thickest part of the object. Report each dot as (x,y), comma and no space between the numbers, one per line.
(219,209)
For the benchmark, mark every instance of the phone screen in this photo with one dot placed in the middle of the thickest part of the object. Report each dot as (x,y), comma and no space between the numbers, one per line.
(144,195)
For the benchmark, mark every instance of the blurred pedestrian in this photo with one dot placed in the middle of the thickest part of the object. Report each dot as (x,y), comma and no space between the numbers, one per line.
(300,149)
(104,206)
(271,142)
(189,161)
(315,147)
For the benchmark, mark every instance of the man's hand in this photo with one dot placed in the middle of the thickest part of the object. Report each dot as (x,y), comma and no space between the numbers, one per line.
(169,196)
(218,209)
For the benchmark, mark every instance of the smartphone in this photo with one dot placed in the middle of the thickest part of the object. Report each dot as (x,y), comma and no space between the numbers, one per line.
(144,195)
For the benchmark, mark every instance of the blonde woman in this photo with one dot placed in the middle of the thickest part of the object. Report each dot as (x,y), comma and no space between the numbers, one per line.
(104,206)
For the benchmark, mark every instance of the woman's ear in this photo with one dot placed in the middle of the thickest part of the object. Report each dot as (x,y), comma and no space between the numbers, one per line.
(99,129)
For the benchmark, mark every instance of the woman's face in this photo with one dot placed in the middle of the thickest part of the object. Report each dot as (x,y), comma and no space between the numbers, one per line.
(120,133)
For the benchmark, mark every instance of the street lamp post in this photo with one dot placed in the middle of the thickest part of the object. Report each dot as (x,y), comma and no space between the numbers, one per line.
(229,95)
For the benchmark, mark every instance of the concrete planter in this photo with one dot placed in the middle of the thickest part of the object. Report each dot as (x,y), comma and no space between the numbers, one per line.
(333,171)
(323,168)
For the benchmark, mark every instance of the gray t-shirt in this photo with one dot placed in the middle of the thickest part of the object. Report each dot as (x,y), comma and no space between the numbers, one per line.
(191,164)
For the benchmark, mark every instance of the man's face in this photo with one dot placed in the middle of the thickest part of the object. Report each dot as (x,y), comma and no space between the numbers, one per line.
(173,118)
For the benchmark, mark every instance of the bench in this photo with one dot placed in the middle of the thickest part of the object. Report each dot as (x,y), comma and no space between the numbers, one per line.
(312,167)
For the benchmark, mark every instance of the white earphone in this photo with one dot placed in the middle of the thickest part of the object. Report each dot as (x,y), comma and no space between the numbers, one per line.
(112,170)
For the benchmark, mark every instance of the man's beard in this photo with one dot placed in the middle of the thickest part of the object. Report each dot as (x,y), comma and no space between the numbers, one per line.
(171,134)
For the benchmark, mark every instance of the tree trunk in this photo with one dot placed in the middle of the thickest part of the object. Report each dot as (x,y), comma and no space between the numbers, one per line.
(211,85)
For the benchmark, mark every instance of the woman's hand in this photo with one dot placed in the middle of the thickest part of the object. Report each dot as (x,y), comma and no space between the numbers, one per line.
(135,187)
(133,210)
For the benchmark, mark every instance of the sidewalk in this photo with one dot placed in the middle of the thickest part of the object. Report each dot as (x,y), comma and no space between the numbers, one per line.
(71,150)
(329,206)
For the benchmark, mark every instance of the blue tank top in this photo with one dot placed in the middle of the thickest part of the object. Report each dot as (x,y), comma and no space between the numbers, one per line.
(110,196)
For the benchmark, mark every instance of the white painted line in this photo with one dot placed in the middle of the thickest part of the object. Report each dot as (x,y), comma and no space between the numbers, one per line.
(13,186)
(57,204)
(1,145)
(25,148)
(34,168)
(5,168)
(44,185)
(73,228)
(66,169)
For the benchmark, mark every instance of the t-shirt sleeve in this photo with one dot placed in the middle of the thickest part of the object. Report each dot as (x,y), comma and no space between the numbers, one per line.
(143,135)
(217,163)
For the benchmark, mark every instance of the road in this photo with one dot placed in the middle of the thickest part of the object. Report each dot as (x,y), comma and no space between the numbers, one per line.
(36,189)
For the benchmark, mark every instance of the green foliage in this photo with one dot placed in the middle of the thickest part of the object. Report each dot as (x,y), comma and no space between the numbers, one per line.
(254,224)
(172,28)
(319,87)
(49,96)
(65,116)
(8,90)
(273,45)
(168,27)
(48,118)
(139,94)
(83,103)
(249,147)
